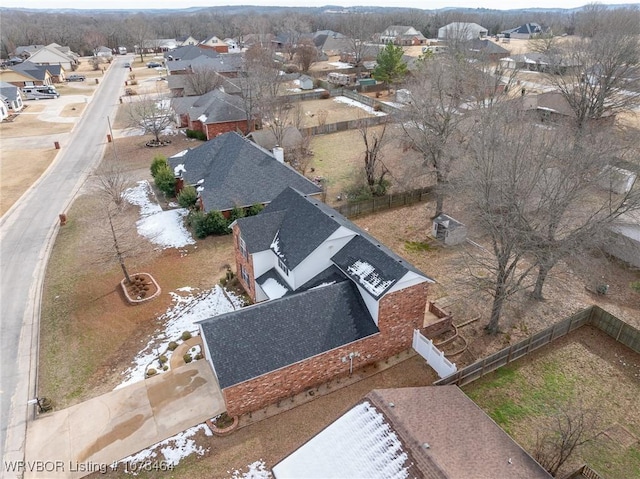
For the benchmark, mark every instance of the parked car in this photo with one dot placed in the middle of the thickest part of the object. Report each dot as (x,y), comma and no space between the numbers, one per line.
(154,65)
(127,65)
(76,77)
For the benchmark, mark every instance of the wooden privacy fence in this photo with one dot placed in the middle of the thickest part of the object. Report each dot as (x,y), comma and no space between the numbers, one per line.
(594,315)
(343,125)
(359,208)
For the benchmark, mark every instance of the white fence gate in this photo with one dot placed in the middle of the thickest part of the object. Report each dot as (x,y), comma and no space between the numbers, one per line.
(434,357)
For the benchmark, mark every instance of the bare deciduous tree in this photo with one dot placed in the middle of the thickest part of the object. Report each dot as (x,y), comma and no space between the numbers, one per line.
(375,170)
(599,75)
(151,112)
(202,80)
(306,54)
(433,120)
(501,183)
(571,427)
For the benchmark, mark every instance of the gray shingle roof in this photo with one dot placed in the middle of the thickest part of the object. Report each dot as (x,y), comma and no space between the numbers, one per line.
(9,91)
(258,231)
(307,223)
(368,266)
(236,172)
(189,52)
(253,341)
(217,107)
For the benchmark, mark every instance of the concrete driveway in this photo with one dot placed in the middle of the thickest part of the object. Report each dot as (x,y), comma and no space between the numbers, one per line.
(80,440)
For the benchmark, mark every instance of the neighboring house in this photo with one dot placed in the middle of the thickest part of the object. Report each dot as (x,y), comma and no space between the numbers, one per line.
(331,43)
(185,40)
(462,31)
(624,239)
(4,109)
(27,74)
(54,54)
(402,35)
(180,85)
(553,106)
(433,432)
(158,45)
(232,45)
(214,43)
(526,31)
(231,171)
(11,96)
(229,65)
(189,52)
(291,139)
(539,62)
(259,39)
(103,52)
(213,113)
(25,51)
(487,50)
(331,299)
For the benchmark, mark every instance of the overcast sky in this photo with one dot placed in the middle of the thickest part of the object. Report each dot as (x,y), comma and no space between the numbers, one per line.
(160,4)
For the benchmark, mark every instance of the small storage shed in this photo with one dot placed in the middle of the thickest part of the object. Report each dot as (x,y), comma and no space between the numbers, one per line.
(618,180)
(306,82)
(448,230)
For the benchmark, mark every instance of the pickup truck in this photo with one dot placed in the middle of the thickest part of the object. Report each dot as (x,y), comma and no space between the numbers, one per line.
(76,77)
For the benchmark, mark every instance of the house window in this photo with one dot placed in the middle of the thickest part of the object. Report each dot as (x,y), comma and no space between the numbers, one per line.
(283,267)
(245,276)
(243,247)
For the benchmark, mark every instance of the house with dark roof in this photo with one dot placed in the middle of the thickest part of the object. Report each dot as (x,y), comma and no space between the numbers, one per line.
(330,299)
(188,52)
(402,35)
(433,432)
(525,31)
(485,49)
(230,171)
(28,74)
(213,113)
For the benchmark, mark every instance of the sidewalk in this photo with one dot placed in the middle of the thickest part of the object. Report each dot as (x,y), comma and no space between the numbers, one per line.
(91,436)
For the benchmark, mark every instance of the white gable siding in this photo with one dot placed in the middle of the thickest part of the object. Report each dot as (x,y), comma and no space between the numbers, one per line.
(320,258)
(263,261)
(409,279)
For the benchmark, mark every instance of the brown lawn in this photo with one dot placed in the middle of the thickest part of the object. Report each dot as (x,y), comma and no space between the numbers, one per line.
(18,172)
(336,112)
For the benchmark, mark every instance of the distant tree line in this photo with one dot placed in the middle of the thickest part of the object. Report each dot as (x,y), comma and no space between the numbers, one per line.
(82,31)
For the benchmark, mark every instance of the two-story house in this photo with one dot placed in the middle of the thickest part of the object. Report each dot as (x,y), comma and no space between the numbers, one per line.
(330,299)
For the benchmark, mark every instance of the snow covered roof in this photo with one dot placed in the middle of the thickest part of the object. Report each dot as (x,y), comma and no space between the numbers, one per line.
(434,432)
(358,444)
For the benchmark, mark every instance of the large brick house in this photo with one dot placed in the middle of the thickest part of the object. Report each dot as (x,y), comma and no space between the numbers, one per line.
(213,113)
(232,172)
(330,299)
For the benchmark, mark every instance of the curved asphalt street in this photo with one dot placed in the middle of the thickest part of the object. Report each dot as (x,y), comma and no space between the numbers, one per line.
(27,232)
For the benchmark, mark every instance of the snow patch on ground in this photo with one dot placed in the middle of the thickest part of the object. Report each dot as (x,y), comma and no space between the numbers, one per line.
(182,316)
(255,470)
(340,65)
(172,450)
(164,228)
(350,102)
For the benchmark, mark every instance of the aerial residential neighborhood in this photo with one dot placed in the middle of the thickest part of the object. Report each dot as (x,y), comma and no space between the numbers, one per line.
(320,242)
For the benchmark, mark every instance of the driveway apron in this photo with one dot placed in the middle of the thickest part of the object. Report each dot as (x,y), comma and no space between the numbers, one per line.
(95,434)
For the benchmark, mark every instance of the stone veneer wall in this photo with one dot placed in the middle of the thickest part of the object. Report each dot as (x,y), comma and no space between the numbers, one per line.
(400,313)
